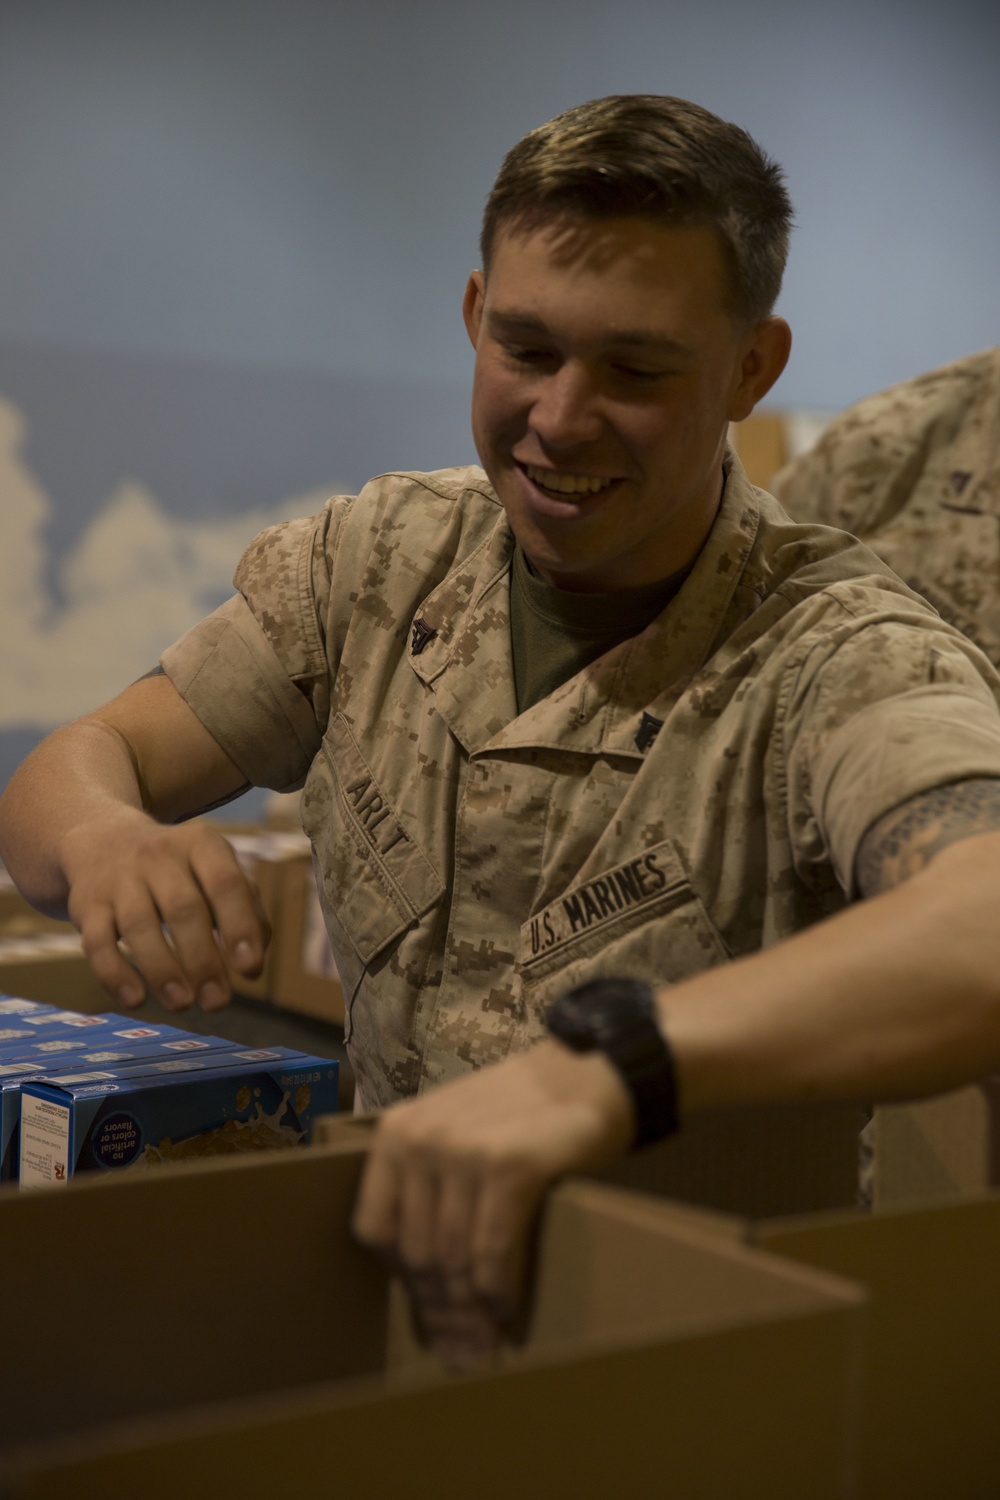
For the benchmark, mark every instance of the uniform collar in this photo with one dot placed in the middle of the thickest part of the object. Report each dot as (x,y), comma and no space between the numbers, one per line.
(461,648)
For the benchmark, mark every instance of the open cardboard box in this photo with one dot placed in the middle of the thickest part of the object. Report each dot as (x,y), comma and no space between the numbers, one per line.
(930,1421)
(215,1330)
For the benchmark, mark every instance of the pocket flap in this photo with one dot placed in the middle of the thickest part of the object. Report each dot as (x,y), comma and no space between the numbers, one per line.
(376,881)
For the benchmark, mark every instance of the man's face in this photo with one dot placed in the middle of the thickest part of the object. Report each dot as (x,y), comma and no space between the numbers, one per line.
(607,370)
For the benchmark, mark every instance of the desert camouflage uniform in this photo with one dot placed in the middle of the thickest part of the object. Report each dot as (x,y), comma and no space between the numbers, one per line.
(695,794)
(915,471)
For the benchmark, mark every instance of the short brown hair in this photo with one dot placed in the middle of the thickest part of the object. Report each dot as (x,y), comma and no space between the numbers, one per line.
(653,156)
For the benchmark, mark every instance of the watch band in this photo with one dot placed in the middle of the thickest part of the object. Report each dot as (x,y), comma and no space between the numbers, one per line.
(618,1017)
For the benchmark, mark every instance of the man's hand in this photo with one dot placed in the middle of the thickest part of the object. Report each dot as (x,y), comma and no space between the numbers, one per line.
(87,827)
(453,1185)
(175,897)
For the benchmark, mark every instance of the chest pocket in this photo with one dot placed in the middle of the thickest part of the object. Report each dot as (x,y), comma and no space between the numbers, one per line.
(642,918)
(375,882)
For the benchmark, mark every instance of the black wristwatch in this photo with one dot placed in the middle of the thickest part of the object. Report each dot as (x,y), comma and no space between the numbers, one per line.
(618,1017)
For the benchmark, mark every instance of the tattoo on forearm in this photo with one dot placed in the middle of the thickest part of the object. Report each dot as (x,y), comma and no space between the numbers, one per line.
(907,839)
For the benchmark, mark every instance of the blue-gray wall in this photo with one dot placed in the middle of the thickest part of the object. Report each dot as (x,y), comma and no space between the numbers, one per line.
(234,235)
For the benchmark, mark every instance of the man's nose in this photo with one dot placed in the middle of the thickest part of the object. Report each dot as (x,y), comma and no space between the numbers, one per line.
(566,410)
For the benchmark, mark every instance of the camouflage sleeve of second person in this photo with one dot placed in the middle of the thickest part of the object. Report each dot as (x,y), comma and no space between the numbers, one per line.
(877,715)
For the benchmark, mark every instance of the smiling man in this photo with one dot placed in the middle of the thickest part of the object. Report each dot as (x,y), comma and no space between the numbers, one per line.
(607,368)
(598,748)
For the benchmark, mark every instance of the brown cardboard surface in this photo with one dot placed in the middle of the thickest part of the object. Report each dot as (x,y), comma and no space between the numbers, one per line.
(183,1285)
(930,1424)
(942,1147)
(646,1362)
(18,919)
(50,966)
(748,1163)
(295,986)
(655,1420)
(755,1162)
(267,857)
(762,445)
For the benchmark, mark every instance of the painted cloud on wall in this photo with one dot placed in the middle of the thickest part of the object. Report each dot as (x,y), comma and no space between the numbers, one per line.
(135,581)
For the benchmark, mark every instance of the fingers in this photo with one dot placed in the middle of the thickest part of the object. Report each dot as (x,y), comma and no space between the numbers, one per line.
(178,902)
(243,929)
(113,971)
(501,1238)
(454,1226)
(452,1188)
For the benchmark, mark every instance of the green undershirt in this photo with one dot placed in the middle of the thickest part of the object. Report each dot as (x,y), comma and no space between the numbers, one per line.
(555,633)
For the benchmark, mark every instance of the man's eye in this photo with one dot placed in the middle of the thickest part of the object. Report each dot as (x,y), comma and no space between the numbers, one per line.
(635,372)
(526,354)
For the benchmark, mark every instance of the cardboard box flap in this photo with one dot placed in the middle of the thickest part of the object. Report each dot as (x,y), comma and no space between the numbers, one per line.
(651,1331)
(196,1281)
(930,1424)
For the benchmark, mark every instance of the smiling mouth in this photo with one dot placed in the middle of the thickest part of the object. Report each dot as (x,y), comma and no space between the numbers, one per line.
(567,485)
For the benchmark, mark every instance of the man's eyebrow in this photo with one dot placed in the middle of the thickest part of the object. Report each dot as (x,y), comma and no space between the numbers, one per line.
(526,325)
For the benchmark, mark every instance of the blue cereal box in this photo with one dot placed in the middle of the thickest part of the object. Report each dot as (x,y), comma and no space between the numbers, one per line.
(110,1046)
(120,1047)
(246,1100)
(16,1005)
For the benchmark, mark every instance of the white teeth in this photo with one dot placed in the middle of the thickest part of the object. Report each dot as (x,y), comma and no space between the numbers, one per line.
(566,484)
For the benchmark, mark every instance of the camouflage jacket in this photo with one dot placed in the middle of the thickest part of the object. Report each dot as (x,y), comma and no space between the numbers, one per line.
(915,471)
(695,794)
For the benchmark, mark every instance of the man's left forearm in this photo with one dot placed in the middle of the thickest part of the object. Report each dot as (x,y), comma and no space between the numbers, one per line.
(895,997)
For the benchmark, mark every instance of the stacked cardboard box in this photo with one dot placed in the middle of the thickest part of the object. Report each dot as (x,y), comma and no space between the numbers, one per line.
(300,973)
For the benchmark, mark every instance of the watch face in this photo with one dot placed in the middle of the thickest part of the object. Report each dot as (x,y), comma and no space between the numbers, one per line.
(593,1014)
(619,1017)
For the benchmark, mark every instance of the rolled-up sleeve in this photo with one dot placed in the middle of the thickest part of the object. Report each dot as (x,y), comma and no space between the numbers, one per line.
(255,672)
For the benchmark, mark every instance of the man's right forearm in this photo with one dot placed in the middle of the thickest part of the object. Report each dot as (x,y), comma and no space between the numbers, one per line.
(82,773)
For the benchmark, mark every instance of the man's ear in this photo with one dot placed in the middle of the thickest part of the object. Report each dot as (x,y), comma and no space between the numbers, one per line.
(765,354)
(472,305)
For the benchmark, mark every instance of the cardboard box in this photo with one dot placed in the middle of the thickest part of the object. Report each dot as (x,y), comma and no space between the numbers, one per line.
(305,977)
(18,918)
(938,1148)
(262,1355)
(762,444)
(759,1163)
(50,966)
(930,1423)
(58,1036)
(141,1115)
(19,1005)
(266,857)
